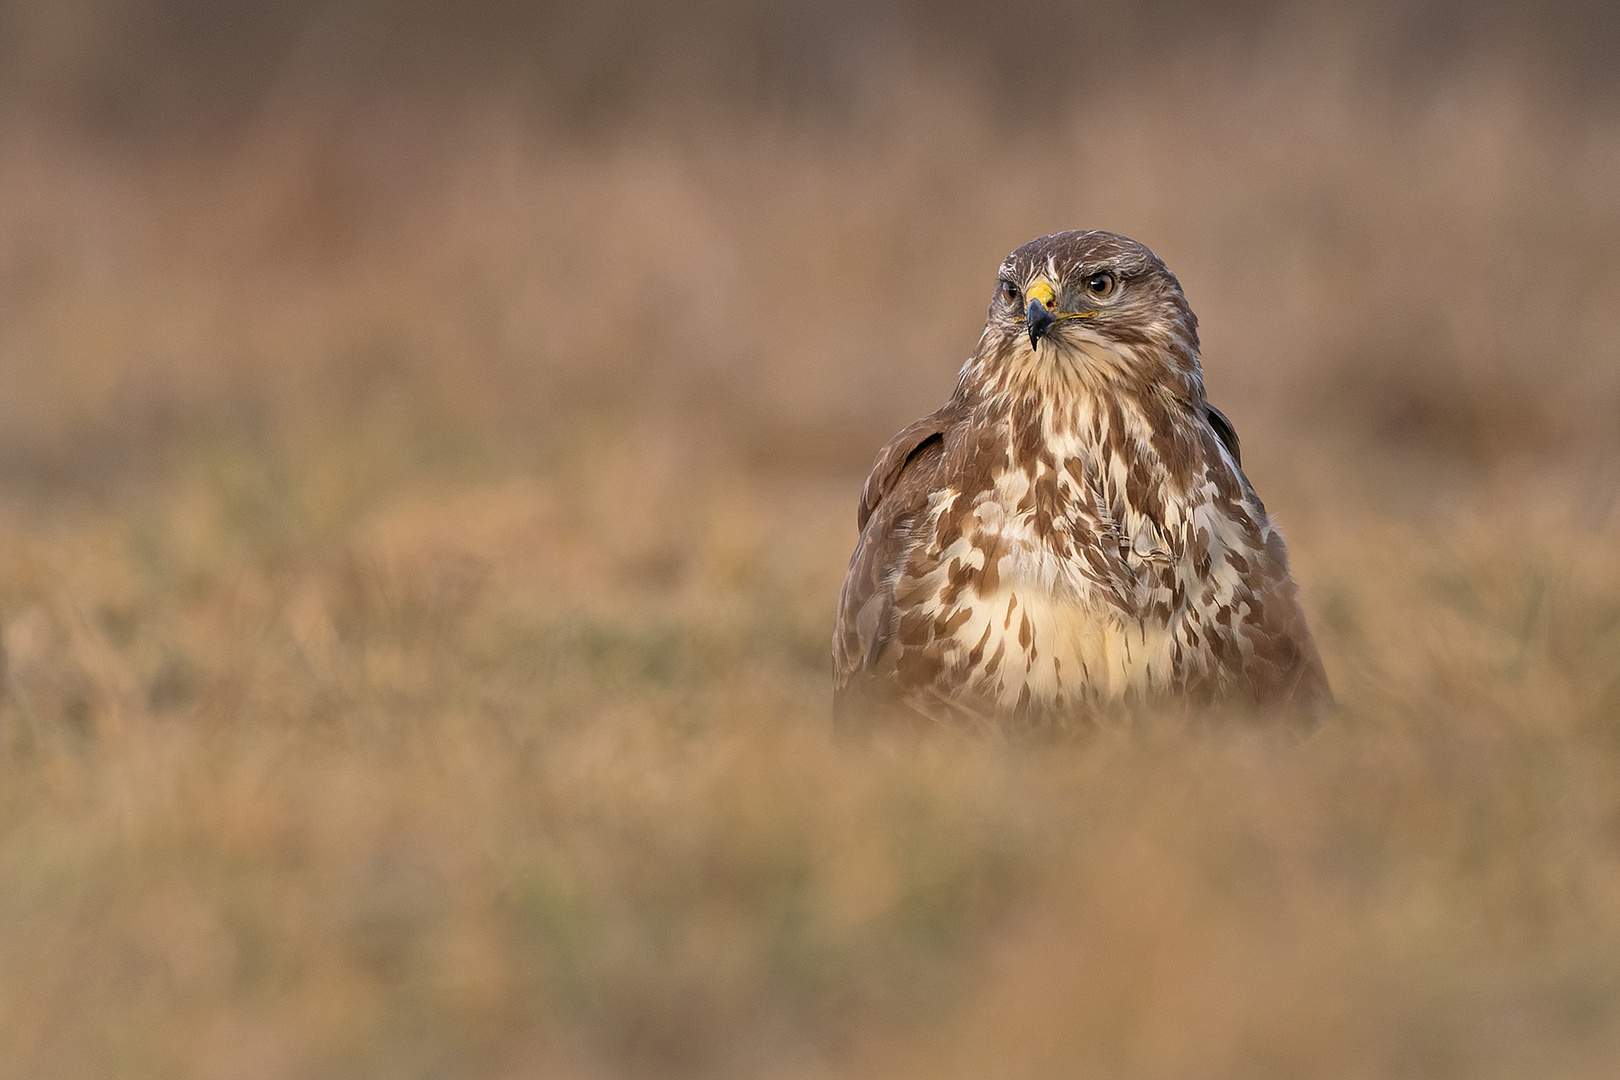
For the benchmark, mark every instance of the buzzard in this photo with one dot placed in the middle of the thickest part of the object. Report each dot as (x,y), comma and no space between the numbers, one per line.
(1071,534)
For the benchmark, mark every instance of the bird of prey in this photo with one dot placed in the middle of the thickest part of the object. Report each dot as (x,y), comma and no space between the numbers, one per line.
(1071,534)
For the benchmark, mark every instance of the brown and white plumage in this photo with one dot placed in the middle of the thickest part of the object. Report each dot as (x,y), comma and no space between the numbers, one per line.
(1071,532)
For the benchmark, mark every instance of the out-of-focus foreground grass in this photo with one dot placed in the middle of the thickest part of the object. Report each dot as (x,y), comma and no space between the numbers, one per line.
(420,530)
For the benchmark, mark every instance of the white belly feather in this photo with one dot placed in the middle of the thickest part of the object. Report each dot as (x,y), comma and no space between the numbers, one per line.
(1055,629)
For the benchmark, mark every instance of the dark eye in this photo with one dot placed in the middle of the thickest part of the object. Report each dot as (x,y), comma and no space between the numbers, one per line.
(1100,285)
(1009,292)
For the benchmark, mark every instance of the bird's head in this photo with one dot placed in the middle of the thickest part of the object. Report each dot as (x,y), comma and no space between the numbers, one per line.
(1095,304)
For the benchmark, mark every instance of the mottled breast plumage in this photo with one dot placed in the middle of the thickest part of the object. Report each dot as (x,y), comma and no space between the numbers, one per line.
(1072,532)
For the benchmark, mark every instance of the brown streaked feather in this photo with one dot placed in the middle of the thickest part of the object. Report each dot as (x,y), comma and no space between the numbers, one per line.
(920,439)
(1285,669)
(903,476)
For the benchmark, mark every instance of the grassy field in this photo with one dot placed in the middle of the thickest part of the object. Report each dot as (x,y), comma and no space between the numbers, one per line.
(419,538)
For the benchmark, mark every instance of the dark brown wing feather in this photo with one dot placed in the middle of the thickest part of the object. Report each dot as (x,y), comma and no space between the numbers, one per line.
(1224,431)
(1284,670)
(905,473)
(918,440)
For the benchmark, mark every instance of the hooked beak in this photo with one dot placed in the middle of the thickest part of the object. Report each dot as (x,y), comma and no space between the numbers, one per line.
(1041,320)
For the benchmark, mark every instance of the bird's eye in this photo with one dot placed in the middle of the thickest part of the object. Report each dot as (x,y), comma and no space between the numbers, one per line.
(1100,285)
(1009,292)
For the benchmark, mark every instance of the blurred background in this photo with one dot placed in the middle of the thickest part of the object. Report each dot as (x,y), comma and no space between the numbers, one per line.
(1394,220)
(429,439)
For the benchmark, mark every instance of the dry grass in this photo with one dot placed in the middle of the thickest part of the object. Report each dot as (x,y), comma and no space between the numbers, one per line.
(420,536)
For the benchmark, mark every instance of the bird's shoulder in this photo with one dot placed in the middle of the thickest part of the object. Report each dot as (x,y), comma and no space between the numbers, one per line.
(907,467)
(1224,431)
(904,475)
